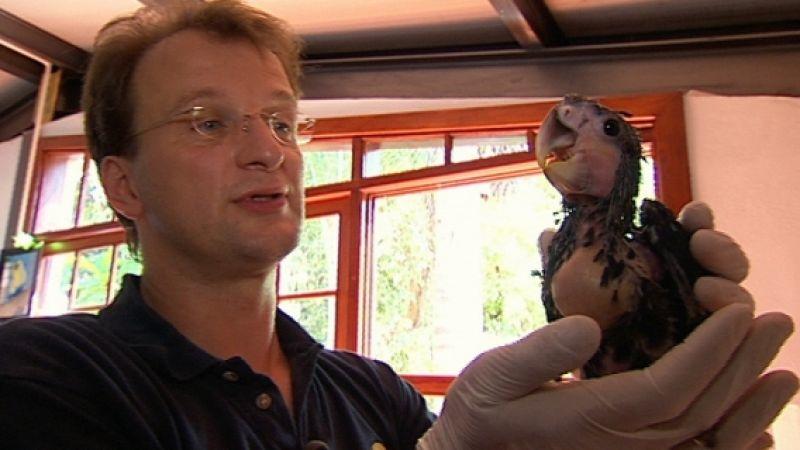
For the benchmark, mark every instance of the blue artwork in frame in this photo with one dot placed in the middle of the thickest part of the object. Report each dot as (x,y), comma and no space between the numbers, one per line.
(17,281)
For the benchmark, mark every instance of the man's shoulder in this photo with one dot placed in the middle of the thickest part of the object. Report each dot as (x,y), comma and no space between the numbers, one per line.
(29,330)
(37,344)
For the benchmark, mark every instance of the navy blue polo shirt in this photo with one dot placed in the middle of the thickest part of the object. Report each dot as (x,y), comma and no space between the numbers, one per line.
(127,379)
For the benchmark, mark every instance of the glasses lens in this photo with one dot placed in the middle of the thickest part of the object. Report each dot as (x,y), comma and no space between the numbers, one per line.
(305,129)
(210,123)
(290,129)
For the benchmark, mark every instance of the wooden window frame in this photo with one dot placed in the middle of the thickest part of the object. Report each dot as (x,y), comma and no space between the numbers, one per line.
(659,118)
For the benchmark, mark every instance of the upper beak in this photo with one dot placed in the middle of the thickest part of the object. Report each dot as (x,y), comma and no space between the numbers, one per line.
(553,138)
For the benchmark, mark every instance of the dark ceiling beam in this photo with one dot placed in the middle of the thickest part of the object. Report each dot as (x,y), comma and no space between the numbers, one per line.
(530,22)
(32,38)
(612,49)
(19,65)
(759,69)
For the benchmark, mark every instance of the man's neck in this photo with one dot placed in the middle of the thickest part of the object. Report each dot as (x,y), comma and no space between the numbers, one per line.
(216,314)
(225,316)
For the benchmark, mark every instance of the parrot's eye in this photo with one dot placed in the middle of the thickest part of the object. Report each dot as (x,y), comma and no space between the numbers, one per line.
(611,127)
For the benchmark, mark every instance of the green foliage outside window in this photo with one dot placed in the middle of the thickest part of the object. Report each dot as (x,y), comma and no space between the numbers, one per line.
(92,277)
(326,165)
(94,208)
(387,157)
(312,267)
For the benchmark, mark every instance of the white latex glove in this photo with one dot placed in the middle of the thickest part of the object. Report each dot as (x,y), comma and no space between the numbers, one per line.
(709,387)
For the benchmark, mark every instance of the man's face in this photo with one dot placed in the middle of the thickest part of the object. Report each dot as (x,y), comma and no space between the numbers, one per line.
(217,201)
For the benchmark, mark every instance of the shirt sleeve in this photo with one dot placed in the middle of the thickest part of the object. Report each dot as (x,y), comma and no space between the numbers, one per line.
(413,418)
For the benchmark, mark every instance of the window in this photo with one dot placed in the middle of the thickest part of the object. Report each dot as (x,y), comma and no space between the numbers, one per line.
(84,257)
(420,235)
(307,279)
(70,194)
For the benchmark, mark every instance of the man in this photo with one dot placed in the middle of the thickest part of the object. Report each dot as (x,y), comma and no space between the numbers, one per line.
(191,117)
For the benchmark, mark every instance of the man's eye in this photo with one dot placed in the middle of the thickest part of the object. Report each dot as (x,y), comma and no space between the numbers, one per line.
(282,126)
(210,125)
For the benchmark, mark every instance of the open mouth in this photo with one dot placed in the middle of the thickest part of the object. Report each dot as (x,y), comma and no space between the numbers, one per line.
(560,154)
(555,142)
(265,197)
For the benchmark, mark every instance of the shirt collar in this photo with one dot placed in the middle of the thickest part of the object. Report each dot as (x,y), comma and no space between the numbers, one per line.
(167,350)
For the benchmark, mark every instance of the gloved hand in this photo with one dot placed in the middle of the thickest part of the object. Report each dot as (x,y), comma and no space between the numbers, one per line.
(707,390)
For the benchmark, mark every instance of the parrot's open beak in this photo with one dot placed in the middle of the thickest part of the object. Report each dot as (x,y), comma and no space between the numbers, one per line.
(575,157)
(555,150)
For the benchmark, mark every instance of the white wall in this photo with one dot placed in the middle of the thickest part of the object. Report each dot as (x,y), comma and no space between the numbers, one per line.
(744,157)
(9,160)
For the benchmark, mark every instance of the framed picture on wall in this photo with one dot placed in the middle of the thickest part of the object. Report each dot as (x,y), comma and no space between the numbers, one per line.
(17,281)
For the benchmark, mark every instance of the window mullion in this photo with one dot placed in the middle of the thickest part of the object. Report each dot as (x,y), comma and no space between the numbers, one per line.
(82,190)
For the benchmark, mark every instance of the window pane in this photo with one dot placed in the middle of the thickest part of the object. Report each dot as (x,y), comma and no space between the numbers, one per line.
(468,147)
(387,156)
(94,206)
(327,162)
(123,264)
(317,315)
(451,271)
(58,194)
(94,271)
(435,403)
(647,185)
(312,266)
(53,296)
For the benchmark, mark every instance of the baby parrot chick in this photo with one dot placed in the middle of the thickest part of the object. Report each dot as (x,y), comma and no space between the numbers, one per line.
(634,280)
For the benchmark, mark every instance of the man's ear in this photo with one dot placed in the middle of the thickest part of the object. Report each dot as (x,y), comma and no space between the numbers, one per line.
(116,175)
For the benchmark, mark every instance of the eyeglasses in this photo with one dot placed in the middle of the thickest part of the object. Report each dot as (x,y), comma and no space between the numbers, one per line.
(216,124)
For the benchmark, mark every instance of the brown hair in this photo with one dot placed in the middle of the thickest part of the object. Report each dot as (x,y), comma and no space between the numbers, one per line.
(121,43)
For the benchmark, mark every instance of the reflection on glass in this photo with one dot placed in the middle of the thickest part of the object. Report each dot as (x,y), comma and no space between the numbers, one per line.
(386,156)
(92,277)
(468,147)
(312,266)
(317,315)
(56,281)
(59,191)
(327,162)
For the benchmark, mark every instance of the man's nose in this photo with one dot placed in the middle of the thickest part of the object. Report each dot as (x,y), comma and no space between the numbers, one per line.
(259,148)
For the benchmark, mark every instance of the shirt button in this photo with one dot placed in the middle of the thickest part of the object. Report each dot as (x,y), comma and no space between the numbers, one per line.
(316,445)
(230,375)
(263,401)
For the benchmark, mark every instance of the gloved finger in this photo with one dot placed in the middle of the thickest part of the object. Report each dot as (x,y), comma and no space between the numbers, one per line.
(753,413)
(763,442)
(696,215)
(515,370)
(636,400)
(720,254)
(714,293)
(545,239)
(765,337)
